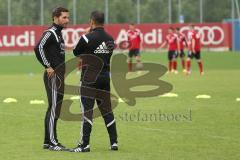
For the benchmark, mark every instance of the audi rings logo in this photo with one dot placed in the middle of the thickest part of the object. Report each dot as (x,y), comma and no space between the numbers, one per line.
(210,35)
(71,36)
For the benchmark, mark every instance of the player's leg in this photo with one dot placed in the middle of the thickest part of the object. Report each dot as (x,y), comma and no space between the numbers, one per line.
(130,55)
(87,104)
(190,56)
(110,123)
(170,64)
(182,56)
(50,95)
(79,64)
(46,143)
(199,61)
(174,61)
(51,115)
(105,108)
(60,94)
(137,55)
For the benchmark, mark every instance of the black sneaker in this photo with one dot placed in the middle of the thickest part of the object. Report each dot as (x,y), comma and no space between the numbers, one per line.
(59,144)
(58,147)
(114,147)
(46,146)
(81,148)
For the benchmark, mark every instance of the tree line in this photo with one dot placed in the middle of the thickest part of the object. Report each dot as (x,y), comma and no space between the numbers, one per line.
(28,12)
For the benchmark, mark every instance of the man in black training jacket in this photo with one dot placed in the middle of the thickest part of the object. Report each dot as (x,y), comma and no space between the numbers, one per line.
(50,52)
(95,49)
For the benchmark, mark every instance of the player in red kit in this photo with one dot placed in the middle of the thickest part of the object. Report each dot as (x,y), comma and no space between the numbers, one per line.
(182,43)
(173,48)
(194,50)
(134,38)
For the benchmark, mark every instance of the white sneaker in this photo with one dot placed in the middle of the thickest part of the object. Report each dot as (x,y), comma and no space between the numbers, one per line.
(114,147)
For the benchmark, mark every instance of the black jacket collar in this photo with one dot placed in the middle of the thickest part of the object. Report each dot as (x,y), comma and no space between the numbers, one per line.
(98,28)
(58,27)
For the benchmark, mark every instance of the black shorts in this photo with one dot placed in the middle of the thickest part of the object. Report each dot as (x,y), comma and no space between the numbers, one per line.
(172,54)
(196,55)
(133,52)
(182,54)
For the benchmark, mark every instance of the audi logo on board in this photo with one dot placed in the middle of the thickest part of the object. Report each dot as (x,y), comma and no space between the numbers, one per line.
(24,38)
(210,35)
(71,36)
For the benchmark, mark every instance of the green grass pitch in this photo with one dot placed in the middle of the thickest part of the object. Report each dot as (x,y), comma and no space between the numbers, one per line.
(209,128)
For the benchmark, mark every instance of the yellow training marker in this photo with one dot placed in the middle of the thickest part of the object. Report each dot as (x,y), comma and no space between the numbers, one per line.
(203,96)
(169,95)
(120,100)
(37,101)
(75,98)
(10,100)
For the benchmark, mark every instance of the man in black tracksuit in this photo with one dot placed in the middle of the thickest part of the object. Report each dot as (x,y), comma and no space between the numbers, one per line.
(95,49)
(50,52)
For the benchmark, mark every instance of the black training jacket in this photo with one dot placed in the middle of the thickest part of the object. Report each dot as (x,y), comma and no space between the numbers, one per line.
(99,45)
(50,50)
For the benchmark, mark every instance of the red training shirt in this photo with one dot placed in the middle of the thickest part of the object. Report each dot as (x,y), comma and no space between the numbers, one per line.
(134,37)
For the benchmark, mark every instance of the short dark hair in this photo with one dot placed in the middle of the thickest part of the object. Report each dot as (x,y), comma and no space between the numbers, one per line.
(132,24)
(58,11)
(98,17)
(178,28)
(192,25)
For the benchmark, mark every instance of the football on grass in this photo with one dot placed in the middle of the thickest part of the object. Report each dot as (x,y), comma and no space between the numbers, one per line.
(139,66)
